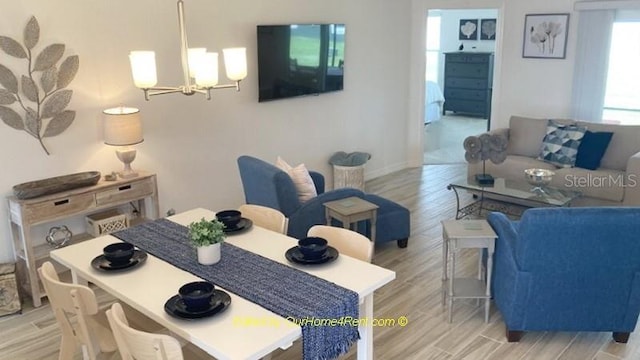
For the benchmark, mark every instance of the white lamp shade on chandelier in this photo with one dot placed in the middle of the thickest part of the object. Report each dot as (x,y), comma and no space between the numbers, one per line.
(123,128)
(143,68)
(200,68)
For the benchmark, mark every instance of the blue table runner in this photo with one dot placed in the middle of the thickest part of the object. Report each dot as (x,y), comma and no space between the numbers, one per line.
(284,290)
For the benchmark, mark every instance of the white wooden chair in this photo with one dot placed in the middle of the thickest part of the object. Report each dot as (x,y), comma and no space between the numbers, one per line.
(140,345)
(90,330)
(265,217)
(346,241)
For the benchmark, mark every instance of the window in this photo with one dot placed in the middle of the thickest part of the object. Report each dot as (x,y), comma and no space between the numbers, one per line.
(622,96)
(433,46)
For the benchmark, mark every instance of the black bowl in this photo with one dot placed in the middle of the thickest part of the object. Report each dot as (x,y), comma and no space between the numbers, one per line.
(312,247)
(118,253)
(196,295)
(230,218)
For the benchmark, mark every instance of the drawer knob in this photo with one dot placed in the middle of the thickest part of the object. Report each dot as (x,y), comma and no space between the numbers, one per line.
(126,187)
(61,202)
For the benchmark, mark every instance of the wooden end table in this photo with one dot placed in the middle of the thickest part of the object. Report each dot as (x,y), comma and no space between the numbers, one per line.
(351,210)
(466,234)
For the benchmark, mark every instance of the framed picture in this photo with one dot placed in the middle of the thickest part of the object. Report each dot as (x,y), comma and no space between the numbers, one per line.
(545,36)
(468,29)
(487,29)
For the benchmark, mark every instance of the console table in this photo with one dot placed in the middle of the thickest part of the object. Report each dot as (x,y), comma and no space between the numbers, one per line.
(24,214)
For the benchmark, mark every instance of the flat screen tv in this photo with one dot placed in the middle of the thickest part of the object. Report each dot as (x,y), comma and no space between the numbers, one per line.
(300,59)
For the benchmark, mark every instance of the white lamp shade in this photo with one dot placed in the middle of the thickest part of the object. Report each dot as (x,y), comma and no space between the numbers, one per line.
(235,62)
(143,68)
(195,57)
(122,126)
(207,75)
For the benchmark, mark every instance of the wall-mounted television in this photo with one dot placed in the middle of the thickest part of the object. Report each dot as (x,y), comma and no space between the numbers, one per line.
(299,59)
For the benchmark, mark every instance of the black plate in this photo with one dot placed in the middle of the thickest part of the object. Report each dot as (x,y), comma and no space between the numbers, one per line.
(242,225)
(102,264)
(175,307)
(295,256)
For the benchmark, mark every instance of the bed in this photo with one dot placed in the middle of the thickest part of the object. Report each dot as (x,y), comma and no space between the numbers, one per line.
(434,99)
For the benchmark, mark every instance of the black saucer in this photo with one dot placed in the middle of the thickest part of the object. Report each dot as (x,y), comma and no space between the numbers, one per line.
(175,307)
(102,264)
(295,256)
(242,225)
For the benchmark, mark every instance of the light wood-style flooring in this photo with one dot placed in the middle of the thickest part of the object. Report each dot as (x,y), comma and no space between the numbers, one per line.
(415,294)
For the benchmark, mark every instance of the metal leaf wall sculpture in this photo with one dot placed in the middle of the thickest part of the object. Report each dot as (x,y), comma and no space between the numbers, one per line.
(36,101)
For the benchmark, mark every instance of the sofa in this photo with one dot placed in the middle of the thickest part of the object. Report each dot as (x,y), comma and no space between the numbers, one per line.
(615,182)
(568,269)
(267,185)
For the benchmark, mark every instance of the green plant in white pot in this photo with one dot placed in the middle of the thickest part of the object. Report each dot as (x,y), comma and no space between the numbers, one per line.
(206,236)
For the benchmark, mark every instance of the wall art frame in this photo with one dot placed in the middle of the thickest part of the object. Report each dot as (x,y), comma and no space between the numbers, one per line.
(488,28)
(545,36)
(468,29)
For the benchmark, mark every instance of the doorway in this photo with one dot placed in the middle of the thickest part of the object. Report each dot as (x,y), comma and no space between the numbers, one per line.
(460,47)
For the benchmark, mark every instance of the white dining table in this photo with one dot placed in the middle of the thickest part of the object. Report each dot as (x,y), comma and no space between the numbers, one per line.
(245,330)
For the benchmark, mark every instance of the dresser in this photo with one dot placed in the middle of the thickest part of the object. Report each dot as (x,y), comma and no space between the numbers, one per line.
(468,80)
(140,192)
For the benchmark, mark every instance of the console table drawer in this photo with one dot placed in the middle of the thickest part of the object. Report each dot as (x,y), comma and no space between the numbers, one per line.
(56,208)
(133,190)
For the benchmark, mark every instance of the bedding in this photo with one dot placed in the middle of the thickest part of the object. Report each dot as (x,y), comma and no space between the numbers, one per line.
(434,99)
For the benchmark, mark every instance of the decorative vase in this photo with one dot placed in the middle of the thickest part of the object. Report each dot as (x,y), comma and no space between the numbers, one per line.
(208,255)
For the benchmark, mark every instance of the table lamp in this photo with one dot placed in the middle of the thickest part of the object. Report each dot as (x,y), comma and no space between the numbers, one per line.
(123,128)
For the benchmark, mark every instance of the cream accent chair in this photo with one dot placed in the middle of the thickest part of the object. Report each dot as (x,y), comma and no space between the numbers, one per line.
(265,217)
(90,330)
(346,241)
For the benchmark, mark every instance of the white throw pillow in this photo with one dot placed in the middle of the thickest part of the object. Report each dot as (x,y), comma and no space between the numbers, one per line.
(303,182)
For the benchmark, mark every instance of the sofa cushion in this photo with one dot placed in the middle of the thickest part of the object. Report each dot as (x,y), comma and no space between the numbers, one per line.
(592,149)
(601,184)
(560,144)
(526,135)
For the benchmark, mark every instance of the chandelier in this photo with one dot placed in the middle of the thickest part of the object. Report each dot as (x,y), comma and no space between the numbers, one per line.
(199,67)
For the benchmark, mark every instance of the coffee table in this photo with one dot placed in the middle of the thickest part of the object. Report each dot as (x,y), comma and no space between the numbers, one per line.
(509,196)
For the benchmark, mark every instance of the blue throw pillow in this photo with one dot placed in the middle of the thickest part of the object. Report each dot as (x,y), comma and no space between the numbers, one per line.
(592,149)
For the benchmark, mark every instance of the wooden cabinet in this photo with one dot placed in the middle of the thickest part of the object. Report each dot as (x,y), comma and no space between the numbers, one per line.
(468,83)
(24,214)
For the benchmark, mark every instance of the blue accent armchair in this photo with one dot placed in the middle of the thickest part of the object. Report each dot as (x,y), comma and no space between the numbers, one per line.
(265,184)
(568,269)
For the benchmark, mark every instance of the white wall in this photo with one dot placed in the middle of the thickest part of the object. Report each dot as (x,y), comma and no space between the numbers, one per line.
(193,144)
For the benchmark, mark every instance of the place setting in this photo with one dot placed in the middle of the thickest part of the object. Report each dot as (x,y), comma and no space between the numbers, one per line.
(233,221)
(196,300)
(312,251)
(119,257)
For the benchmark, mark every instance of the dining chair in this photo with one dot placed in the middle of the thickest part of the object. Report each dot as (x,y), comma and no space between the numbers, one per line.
(265,217)
(347,242)
(140,345)
(90,330)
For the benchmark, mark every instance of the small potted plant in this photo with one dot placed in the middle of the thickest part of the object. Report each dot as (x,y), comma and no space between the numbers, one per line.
(206,236)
